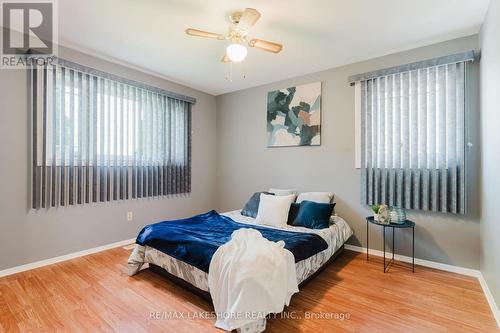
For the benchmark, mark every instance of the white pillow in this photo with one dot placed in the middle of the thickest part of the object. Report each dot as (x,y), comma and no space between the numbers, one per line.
(277,191)
(273,209)
(319,197)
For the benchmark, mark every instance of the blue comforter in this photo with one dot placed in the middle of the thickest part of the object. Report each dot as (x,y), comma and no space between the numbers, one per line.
(194,240)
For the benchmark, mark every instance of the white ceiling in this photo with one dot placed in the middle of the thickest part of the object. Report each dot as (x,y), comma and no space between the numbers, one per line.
(317,35)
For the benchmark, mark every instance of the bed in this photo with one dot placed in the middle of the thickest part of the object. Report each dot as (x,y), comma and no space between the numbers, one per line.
(196,279)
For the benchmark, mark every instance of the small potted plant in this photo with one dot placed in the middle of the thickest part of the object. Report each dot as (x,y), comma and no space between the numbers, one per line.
(379,213)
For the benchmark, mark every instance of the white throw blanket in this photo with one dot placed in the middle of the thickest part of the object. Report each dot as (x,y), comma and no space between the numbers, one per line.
(250,277)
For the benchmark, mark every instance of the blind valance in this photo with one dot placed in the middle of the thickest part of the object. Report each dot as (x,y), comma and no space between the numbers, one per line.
(444,60)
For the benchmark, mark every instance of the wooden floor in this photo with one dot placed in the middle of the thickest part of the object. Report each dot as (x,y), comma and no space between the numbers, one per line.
(94,294)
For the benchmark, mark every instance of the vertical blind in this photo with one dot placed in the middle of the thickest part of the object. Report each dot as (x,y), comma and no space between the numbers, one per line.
(413,138)
(98,139)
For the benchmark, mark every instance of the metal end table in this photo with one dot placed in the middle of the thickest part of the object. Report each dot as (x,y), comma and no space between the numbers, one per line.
(406,224)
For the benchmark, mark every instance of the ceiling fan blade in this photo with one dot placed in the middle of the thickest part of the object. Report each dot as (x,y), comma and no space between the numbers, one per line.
(225,59)
(265,45)
(248,18)
(205,34)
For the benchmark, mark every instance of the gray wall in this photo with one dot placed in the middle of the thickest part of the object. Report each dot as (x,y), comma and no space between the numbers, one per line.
(245,165)
(27,235)
(490,138)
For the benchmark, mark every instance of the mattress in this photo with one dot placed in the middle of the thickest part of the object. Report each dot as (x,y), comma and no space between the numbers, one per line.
(335,236)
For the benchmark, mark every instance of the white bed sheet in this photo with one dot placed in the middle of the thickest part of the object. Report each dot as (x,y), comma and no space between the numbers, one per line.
(335,236)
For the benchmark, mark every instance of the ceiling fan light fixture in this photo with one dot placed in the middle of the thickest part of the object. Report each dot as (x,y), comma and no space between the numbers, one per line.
(236,52)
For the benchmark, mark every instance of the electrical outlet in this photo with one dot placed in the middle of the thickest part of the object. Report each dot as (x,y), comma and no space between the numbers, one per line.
(130,216)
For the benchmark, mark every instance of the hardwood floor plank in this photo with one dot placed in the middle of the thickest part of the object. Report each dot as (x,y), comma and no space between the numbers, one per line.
(94,294)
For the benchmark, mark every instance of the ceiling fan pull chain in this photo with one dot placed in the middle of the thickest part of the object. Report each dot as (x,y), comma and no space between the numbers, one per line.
(229,77)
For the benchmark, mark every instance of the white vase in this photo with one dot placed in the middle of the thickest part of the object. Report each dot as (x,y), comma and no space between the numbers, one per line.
(376,217)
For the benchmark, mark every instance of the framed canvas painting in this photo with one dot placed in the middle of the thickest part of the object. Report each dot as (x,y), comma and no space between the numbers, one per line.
(294,116)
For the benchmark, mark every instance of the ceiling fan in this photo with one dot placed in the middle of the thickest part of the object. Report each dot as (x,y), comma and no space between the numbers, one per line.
(241,22)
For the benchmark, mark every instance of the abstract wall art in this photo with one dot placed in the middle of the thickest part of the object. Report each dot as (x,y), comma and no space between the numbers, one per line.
(294,116)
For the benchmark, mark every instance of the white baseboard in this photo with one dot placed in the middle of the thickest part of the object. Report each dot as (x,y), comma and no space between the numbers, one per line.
(491,300)
(444,267)
(36,264)
(421,262)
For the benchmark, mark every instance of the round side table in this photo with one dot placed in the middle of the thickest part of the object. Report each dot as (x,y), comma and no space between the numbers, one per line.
(406,224)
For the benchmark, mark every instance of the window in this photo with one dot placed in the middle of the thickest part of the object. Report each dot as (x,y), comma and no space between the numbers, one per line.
(98,138)
(413,135)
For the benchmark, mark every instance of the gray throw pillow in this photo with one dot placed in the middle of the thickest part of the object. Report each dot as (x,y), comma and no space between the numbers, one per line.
(252,206)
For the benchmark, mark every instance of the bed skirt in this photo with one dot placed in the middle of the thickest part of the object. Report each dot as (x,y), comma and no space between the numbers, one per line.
(206,295)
